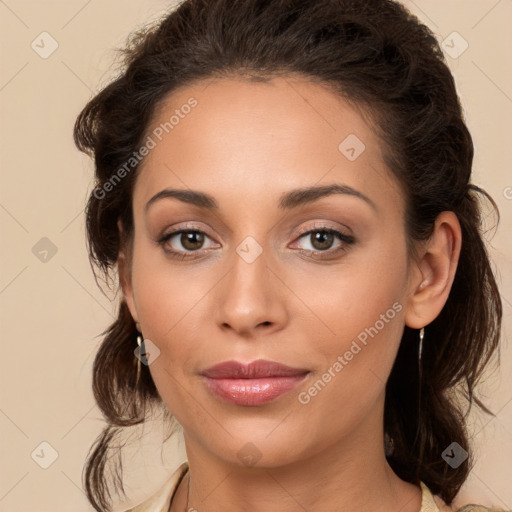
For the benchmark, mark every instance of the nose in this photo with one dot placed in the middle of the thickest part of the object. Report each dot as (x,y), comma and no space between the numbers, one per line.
(251,299)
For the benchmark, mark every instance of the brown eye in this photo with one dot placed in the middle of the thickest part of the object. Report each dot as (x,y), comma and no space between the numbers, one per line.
(322,240)
(185,243)
(192,240)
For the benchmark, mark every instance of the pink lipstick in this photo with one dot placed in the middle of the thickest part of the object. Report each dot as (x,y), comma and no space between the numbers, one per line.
(256,383)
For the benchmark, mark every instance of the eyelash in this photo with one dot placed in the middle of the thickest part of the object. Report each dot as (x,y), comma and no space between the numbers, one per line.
(346,239)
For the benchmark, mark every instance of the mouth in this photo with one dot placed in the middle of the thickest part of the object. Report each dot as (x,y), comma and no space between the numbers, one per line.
(252,384)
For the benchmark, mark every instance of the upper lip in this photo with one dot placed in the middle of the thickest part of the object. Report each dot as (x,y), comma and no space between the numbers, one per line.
(254,370)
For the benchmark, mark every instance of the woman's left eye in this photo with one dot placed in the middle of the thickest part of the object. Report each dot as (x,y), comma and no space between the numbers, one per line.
(322,239)
(192,241)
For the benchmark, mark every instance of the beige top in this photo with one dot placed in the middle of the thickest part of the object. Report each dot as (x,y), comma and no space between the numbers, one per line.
(161,500)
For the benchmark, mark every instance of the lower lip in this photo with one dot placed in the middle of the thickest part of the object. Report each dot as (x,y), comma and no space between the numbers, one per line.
(253,391)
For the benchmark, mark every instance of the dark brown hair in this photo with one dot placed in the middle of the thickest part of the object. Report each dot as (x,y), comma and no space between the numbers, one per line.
(377,55)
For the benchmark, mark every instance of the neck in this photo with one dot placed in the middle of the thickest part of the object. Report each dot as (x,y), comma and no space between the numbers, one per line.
(350,475)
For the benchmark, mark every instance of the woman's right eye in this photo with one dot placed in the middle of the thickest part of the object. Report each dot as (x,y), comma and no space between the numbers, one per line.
(190,240)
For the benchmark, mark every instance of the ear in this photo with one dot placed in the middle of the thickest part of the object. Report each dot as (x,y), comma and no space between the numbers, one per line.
(432,275)
(124,271)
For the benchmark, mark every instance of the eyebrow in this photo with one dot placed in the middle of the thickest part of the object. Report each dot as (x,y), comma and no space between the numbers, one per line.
(288,200)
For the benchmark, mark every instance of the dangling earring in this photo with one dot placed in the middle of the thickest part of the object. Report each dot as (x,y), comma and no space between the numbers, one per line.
(420,349)
(420,380)
(140,343)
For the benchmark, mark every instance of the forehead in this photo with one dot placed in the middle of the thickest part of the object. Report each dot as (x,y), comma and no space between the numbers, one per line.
(253,139)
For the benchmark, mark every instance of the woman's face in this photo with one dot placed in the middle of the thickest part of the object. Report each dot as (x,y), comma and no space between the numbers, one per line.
(252,284)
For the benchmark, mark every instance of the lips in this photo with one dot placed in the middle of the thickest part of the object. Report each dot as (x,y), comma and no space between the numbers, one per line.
(256,370)
(252,384)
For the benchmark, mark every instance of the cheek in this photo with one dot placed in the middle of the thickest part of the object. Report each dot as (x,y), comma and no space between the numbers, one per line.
(168,300)
(164,291)
(362,309)
(353,295)
(356,361)
(168,304)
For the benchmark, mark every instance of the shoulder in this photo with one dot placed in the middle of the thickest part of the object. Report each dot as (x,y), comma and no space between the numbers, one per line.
(479,508)
(160,500)
(434,503)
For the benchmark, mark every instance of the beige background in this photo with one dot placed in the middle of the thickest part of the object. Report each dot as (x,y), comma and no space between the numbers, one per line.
(51,312)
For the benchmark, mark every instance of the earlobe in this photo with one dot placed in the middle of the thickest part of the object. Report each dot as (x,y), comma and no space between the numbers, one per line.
(434,272)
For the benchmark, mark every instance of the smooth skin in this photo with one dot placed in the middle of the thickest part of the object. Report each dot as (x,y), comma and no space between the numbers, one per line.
(301,302)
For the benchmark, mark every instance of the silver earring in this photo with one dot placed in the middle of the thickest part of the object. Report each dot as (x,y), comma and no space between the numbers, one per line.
(139,343)
(420,350)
